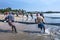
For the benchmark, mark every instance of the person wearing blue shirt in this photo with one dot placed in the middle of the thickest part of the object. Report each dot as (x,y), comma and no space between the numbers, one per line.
(10,20)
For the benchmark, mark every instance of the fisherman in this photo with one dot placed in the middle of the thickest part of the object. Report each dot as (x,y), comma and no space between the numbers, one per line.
(10,20)
(40,21)
(27,17)
(31,15)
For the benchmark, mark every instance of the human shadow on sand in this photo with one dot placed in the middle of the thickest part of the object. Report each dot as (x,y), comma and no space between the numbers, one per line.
(5,31)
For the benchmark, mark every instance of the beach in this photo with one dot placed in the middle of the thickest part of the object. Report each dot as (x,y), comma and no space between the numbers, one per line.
(27,31)
(7,34)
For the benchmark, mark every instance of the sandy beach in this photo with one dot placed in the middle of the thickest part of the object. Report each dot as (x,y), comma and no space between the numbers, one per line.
(6,34)
(25,31)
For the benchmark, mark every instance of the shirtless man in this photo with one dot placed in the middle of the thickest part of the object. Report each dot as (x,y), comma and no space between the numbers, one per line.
(40,22)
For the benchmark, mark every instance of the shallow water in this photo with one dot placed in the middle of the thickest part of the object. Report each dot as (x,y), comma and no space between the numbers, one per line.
(51,29)
(49,18)
(54,30)
(52,18)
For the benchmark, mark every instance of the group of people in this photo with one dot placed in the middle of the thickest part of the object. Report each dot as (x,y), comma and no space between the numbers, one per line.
(39,20)
(27,15)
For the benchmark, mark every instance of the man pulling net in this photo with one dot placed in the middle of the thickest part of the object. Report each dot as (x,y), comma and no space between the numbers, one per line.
(10,20)
(40,21)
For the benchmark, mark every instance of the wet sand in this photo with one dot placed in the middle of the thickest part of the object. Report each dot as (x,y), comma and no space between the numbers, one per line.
(21,36)
(25,31)
(6,34)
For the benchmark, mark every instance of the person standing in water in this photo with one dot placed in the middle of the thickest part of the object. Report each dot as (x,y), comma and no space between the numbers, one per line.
(10,20)
(27,17)
(31,15)
(40,21)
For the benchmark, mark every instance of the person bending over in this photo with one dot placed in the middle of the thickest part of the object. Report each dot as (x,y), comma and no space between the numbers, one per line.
(10,20)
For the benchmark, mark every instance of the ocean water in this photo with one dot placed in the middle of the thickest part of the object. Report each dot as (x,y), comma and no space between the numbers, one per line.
(52,29)
(49,18)
(52,18)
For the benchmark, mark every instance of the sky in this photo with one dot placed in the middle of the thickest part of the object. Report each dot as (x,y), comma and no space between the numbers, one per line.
(32,5)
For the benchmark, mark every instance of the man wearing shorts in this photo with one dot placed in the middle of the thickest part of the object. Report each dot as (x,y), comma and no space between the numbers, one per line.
(40,22)
(10,20)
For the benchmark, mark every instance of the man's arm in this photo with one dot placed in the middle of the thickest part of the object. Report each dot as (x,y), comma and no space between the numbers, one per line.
(43,20)
(6,17)
(36,21)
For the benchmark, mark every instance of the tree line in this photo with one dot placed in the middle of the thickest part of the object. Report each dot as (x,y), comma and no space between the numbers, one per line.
(13,10)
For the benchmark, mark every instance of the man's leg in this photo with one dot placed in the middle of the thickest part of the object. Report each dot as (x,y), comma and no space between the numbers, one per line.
(44,29)
(10,25)
(12,29)
(41,29)
(13,26)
